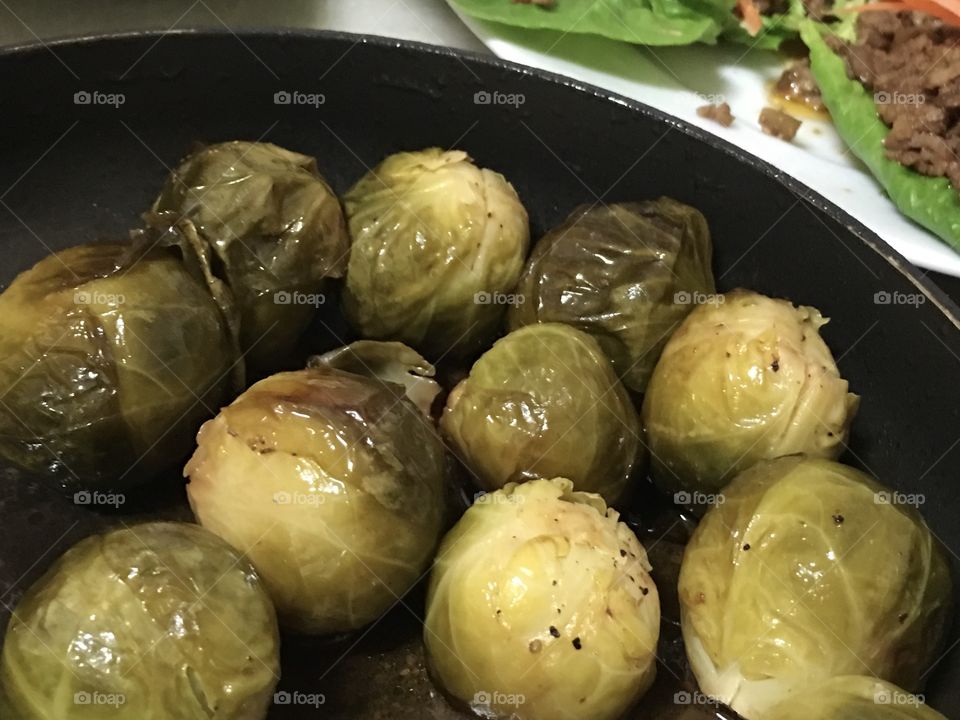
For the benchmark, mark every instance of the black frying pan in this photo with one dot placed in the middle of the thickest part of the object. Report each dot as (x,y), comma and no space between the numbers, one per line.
(72,173)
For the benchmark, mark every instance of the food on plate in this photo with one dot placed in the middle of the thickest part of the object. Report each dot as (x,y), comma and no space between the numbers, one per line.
(332,484)
(388,361)
(626,273)
(157,620)
(761,24)
(718,112)
(272,230)
(798,87)
(889,94)
(438,245)
(541,606)
(852,697)
(109,362)
(779,124)
(745,378)
(545,400)
(806,570)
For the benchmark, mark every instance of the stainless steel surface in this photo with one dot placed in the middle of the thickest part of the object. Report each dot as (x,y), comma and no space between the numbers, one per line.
(25,21)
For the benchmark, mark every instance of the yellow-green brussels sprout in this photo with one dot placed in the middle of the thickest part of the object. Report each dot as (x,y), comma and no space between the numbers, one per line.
(745,378)
(544,401)
(275,231)
(332,484)
(805,570)
(541,607)
(626,273)
(108,364)
(154,621)
(852,698)
(438,244)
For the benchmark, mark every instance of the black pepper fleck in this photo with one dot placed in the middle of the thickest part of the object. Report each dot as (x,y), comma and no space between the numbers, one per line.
(576,643)
(746,546)
(644,590)
(554,631)
(623,553)
(775,365)
(838,519)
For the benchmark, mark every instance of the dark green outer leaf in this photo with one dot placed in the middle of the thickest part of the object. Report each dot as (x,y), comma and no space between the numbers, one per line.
(931,202)
(624,273)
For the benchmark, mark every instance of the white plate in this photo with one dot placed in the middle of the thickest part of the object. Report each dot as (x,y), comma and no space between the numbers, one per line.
(679,80)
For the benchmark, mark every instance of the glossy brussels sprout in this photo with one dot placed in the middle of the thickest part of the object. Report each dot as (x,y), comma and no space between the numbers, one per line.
(161,620)
(803,571)
(541,607)
(332,484)
(542,402)
(108,365)
(274,230)
(852,698)
(438,244)
(389,361)
(626,273)
(745,378)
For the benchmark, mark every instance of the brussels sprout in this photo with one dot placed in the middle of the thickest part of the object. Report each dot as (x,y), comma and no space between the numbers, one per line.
(437,242)
(541,606)
(852,698)
(161,620)
(275,229)
(542,402)
(627,274)
(332,484)
(388,361)
(804,571)
(745,378)
(108,364)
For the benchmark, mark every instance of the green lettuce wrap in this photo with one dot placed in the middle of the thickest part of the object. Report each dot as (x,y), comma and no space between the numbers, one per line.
(931,202)
(642,22)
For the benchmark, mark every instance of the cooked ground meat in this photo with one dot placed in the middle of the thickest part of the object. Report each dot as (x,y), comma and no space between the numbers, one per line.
(911,62)
(779,124)
(797,85)
(718,113)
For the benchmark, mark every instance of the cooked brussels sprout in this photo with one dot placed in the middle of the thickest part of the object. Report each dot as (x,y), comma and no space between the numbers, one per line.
(275,229)
(627,274)
(544,401)
(541,606)
(852,698)
(108,364)
(437,245)
(332,484)
(803,572)
(745,378)
(161,620)
(389,361)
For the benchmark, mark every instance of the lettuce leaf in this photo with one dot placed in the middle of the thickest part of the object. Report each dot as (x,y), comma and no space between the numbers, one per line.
(643,22)
(931,202)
